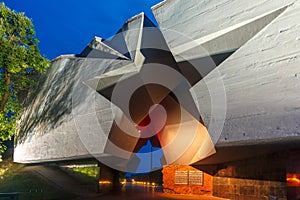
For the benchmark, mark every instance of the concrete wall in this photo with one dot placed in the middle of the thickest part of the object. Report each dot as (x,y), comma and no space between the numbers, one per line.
(261,79)
(49,126)
(261,83)
(234,188)
(256,178)
(169,185)
(197,19)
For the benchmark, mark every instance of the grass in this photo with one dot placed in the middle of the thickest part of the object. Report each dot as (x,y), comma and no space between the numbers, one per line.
(88,171)
(88,175)
(29,186)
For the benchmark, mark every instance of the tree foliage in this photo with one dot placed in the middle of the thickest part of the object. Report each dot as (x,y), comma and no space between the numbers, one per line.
(20,60)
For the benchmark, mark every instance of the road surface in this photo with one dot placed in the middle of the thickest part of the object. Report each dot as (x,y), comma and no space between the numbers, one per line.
(130,192)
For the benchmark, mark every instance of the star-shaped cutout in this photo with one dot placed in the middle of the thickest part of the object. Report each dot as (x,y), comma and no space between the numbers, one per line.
(152,91)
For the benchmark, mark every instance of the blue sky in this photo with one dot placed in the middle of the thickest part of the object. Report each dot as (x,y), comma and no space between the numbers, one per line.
(66,27)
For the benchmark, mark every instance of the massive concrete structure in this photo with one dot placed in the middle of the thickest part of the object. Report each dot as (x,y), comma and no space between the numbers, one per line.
(245,80)
(150,101)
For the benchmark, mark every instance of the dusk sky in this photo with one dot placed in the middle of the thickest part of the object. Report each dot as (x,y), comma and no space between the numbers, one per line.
(66,27)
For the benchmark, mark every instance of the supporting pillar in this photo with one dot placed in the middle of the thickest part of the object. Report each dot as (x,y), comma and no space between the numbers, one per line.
(293,175)
(108,179)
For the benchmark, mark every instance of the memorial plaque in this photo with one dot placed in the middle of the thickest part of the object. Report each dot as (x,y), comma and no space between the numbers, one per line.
(181,177)
(196,178)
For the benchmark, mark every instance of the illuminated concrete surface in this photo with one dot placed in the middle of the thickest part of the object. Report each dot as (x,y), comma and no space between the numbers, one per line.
(261,78)
(77,107)
(260,73)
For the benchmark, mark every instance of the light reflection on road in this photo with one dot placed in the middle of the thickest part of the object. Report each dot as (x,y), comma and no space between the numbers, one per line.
(134,191)
(142,187)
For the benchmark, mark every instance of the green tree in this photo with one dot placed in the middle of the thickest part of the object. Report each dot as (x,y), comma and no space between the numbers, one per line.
(20,62)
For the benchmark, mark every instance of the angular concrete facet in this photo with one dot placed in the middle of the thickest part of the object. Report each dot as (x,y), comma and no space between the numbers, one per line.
(216,72)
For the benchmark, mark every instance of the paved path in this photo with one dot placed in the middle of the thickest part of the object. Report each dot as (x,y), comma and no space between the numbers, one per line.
(145,193)
(61,180)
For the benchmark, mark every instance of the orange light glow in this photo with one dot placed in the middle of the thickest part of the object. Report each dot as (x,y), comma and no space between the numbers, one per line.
(148,184)
(104,182)
(293,179)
